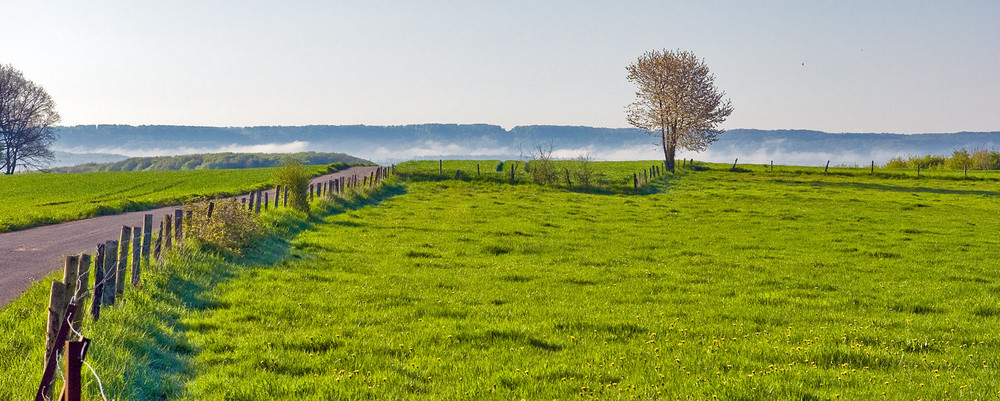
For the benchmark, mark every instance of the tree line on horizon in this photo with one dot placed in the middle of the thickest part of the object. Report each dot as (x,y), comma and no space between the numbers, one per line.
(211,161)
(975,159)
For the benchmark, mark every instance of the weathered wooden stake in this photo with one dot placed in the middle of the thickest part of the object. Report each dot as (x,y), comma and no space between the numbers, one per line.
(168,233)
(827,168)
(136,257)
(966,171)
(256,206)
(71,276)
(250,207)
(772,165)
(57,308)
(51,363)
(110,272)
(266,200)
(123,246)
(211,209)
(284,197)
(178,226)
(734,163)
(75,352)
(81,291)
(635,181)
(147,237)
(277,196)
(918,171)
(310,192)
(873,167)
(159,243)
(98,294)
(440,168)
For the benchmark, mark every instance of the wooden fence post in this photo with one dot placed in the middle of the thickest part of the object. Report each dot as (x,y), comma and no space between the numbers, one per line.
(57,308)
(110,272)
(147,237)
(71,276)
(734,164)
(918,171)
(966,171)
(168,231)
(440,168)
(635,181)
(284,197)
(873,167)
(136,257)
(256,206)
(827,168)
(98,294)
(211,209)
(267,201)
(277,196)
(178,226)
(159,243)
(772,165)
(81,291)
(251,201)
(123,247)
(310,192)
(75,352)
(51,363)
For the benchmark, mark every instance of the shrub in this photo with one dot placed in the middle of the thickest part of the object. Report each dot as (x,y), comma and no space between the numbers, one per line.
(231,228)
(294,177)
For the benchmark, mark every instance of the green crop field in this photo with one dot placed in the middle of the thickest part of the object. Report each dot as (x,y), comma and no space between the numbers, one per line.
(34,199)
(714,284)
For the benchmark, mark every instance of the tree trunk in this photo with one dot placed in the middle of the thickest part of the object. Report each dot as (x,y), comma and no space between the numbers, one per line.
(669,150)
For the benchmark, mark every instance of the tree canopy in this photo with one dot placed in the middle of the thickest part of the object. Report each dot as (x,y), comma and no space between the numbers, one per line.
(676,99)
(27,116)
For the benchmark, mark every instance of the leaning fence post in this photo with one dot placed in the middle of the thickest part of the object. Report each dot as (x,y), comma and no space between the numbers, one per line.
(147,236)
(98,294)
(827,168)
(123,247)
(48,376)
(251,201)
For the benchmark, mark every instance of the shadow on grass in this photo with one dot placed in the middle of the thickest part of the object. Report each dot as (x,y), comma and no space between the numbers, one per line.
(158,357)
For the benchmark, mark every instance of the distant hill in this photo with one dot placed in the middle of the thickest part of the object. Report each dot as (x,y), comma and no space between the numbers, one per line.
(430,141)
(63,159)
(210,161)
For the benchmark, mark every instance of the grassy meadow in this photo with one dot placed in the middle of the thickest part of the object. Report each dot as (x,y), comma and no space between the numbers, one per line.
(36,199)
(711,284)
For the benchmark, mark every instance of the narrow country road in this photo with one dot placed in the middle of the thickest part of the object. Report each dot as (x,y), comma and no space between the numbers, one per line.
(27,256)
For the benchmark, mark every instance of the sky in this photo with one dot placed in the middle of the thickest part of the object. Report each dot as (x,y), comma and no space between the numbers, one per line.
(835,66)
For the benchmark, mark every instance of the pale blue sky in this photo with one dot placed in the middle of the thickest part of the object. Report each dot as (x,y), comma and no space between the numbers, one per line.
(869,66)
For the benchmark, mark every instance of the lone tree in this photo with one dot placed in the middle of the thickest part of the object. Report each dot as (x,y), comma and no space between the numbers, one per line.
(677,100)
(27,115)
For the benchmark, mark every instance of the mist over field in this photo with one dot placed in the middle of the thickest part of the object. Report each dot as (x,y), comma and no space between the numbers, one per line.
(392,144)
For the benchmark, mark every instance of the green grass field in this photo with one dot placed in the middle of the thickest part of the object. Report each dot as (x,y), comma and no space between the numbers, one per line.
(753,285)
(35,199)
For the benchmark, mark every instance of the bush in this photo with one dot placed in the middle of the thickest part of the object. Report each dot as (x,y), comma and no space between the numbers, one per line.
(294,177)
(231,228)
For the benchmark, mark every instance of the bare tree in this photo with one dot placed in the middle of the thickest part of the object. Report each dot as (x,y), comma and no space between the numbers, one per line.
(677,100)
(27,116)
(539,157)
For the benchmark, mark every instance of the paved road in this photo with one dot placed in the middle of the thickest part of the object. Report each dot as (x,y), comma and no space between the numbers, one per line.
(27,256)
